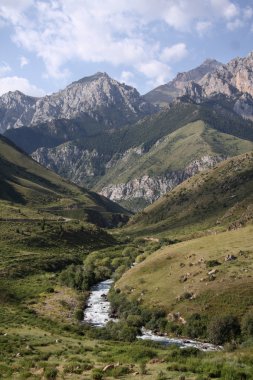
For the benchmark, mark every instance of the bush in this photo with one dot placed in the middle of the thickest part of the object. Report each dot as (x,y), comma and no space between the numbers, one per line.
(224,329)
(97,374)
(247,325)
(51,373)
(231,373)
(79,314)
(143,368)
(196,326)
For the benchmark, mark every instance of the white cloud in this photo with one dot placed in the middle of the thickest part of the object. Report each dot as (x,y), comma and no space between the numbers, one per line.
(248,13)
(4,68)
(13,10)
(203,26)
(127,77)
(174,53)
(235,24)
(23,61)
(18,83)
(156,71)
(226,8)
(111,31)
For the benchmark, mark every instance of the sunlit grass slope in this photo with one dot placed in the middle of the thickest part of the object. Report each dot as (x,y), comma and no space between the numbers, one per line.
(216,199)
(197,276)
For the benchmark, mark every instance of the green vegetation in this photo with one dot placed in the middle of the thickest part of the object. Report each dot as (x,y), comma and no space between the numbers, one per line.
(210,202)
(200,288)
(175,151)
(25,182)
(178,280)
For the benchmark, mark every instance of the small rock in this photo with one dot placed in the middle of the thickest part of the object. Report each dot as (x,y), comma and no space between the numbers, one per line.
(213,271)
(108,366)
(230,258)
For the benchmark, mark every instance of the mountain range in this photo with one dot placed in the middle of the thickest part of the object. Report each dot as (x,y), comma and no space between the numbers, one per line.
(102,134)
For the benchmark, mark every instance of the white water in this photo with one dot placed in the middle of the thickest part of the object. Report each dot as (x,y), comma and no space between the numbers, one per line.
(97,313)
(183,343)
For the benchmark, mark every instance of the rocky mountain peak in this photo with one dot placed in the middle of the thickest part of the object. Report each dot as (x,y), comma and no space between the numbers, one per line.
(99,97)
(230,79)
(166,93)
(91,78)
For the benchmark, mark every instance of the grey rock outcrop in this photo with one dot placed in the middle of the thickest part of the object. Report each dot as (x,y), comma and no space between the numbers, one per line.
(102,98)
(234,77)
(16,109)
(151,188)
(234,80)
(81,165)
(164,94)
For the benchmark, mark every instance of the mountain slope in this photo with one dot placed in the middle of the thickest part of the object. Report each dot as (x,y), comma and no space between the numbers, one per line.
(24,181)
(181,281)
(216,199)
(14,108)
(164,94)
(98,97)
(136,165)
(183,153)
(204,269)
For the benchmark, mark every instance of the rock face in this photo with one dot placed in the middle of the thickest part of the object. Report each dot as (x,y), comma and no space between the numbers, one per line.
(229,79)
(81,165)
(152,188)
(164,94)
(76,132)
(16,109)
(90,166)
(102,98)
(234,80)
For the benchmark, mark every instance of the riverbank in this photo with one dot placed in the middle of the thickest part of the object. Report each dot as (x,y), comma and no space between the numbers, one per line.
(97,314)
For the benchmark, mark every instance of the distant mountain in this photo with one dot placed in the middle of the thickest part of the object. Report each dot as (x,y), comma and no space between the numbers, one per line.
(136,165)
(16,109)
(87,133)
(165,94)
(98,98)
(23,181)
(234,81)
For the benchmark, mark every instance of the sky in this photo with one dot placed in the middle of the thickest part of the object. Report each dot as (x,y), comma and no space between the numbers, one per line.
(47,44)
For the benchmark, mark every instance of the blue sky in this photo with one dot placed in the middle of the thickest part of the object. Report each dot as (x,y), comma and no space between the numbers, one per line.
(47,44)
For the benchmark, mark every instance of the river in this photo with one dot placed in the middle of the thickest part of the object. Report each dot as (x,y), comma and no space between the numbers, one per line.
(97,314)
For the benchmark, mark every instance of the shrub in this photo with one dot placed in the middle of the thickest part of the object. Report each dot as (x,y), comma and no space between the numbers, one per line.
(161,376)
(79,314)
(196,326)
(247,325)
(143,368)
(224,329)
(97,374)
(51,373)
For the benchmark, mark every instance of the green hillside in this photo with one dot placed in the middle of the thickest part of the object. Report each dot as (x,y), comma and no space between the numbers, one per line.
(159,147)
(25,182)
(194,276)
(200,276)
(175,151)
(217,199)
